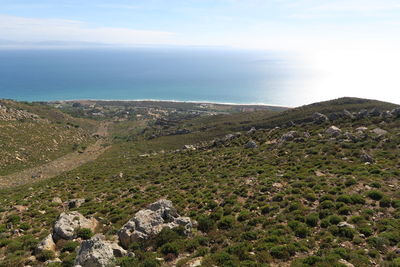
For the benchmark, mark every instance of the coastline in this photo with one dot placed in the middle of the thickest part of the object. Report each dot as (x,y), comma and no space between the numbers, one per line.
(170,101)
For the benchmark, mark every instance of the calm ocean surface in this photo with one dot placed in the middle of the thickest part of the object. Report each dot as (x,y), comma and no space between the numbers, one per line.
(232,76)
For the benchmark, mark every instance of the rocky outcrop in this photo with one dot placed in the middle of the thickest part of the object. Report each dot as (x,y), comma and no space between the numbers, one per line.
(68,223)
(333,131)
(150,221)
(46,244)
(12,114)
(251,144)
(97,252)
(319,118)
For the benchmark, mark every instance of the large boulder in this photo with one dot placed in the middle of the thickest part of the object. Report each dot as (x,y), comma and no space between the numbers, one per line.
(333,131)
(150,221)
(46,244)
(97,252)
(68,223)
(319,118)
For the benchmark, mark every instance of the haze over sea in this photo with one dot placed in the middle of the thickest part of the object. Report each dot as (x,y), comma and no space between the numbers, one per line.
(190,74)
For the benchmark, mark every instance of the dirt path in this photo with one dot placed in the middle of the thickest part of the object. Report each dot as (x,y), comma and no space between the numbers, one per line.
(56,167)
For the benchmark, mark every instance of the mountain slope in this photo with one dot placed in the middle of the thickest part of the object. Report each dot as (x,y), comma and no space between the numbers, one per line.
(33,134)
(307,194)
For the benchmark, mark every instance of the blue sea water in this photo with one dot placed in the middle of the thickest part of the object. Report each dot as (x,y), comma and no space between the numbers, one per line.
(216,75)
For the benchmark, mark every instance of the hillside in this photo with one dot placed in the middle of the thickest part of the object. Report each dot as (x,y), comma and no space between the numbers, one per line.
(33,134)
(304,193)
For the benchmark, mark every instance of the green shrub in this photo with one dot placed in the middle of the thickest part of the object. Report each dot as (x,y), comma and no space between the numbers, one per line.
(226,222)
(13,218)
(70,246)
(170,248)
(282,252)
(312,219)
(385,202)
(205,223)
(84,233)
(244,216)
(367,231)
(46,255)
(375,195)
(166,235)
(357,199)
(127,262)
(223,259)
(334,219)
(327,204)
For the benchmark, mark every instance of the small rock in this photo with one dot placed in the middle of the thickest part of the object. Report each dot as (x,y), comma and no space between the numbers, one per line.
(348,114)
(345,224)
(346,263)
(396,112)
(379,131)
(319,118)
(386,114)
(75,203)
(367,158)
(20,208)
(289,136)
(195,262)
(333,131)
(277,185)
(251,144)
(189,147)
(56,200)
(362,114)
(374,112)
(361,129)
(251,131)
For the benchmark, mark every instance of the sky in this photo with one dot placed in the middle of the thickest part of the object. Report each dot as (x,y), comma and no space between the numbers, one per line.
(352,46)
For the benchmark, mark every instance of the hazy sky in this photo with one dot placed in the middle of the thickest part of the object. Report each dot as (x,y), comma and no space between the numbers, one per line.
(352,46)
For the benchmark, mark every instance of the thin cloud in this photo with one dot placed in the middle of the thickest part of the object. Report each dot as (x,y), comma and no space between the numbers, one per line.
(117,6)
(39,30)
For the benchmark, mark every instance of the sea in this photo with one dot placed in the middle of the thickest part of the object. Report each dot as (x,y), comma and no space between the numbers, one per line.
(190,74)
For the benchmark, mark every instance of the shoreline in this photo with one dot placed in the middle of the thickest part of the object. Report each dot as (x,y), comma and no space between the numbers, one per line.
(169,101)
